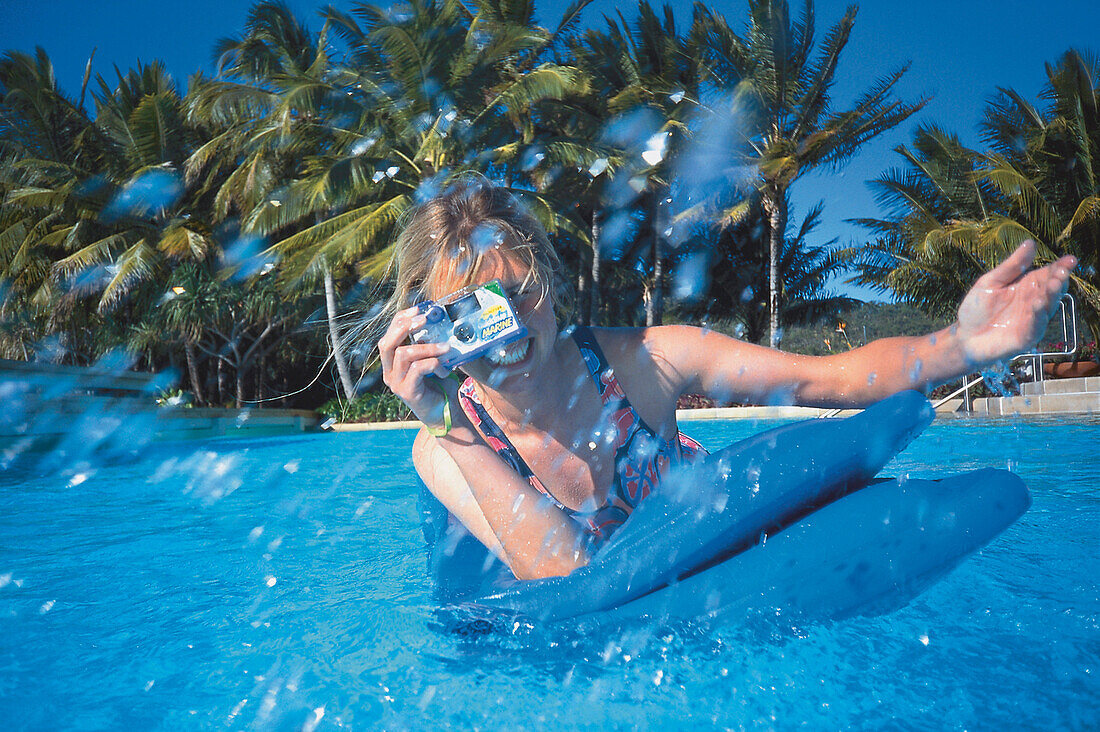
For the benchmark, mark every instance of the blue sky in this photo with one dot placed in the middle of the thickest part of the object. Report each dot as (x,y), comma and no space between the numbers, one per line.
(961,51)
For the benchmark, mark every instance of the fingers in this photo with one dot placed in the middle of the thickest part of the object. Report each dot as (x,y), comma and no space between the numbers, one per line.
(402,324)
(1014,266)
(406,357)
(399,357)
(1043,289)
(421,369)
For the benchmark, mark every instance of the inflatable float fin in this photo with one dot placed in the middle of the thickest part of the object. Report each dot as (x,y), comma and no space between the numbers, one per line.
(871,551)
(711,510)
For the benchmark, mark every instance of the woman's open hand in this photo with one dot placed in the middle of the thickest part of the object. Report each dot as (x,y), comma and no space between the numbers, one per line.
(1008,308)
(406,366)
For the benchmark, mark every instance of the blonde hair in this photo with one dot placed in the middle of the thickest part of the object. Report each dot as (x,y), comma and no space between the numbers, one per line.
(451,237)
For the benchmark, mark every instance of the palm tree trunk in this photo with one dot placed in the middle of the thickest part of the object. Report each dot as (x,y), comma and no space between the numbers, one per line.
(583,310)
(334,337)
(775,203)
(193,371)
(259,393)
(594,293)
(655,302)
(221,382)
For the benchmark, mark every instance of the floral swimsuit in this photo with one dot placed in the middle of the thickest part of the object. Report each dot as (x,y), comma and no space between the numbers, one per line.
(641,458)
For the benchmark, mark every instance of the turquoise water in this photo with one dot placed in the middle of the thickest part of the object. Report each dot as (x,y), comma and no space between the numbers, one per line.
(280,583)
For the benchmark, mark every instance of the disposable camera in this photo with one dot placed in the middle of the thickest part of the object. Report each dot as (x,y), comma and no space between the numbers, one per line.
(473,321)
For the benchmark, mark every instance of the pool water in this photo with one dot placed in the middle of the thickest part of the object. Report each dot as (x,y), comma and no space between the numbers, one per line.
(280,584)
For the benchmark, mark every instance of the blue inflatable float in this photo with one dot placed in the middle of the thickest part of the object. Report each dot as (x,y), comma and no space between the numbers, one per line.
(790,519)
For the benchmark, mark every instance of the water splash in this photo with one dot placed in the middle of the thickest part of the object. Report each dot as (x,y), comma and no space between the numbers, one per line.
(485,237)
(144,196)
(689,278)
(247,256)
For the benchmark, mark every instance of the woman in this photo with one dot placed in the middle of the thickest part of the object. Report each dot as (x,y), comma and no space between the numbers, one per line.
(560,434)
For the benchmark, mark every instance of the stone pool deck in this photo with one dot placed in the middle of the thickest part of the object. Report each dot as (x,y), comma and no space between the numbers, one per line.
(1079,396)
(1069,397)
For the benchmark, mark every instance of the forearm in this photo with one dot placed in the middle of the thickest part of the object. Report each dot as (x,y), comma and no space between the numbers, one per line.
(537,538)
(730,370)
(887,366)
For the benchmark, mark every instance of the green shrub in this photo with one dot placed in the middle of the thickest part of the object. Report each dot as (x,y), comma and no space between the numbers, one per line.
(383,406)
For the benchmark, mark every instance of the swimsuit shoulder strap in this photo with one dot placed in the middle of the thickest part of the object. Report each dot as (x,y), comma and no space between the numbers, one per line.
(598,367)
(495,437)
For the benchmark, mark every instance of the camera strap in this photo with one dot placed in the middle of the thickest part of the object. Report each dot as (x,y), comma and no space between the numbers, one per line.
(442,431)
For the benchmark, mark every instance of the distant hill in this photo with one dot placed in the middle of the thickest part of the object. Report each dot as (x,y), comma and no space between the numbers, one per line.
(864,324)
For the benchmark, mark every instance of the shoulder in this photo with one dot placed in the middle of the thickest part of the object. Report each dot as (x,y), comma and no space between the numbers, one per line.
(664,348)
(646,373)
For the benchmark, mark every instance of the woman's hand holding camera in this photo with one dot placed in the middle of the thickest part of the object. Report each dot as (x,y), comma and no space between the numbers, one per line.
(406,366)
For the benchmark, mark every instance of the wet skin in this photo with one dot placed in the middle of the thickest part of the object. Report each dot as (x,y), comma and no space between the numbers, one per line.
(545,402)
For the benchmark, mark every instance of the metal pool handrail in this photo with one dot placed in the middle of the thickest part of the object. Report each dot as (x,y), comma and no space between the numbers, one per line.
(1068,308)
(1069,334)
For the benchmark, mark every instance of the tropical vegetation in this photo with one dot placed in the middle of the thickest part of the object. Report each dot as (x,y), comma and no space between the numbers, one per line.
(952,211)
(239,229)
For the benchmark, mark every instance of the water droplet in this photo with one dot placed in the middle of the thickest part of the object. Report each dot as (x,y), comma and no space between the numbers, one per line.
(243,257)
(486,236)
(531,158)
(914,373)
(362,145)
(146,195)
(656,147)
(690,278)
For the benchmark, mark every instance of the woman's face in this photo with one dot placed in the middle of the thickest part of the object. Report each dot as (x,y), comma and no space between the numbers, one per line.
(508,366)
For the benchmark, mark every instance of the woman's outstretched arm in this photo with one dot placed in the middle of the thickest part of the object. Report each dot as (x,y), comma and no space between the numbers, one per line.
(1004,314)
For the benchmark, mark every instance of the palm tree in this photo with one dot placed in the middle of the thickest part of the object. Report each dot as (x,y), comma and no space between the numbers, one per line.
(953,212)
(269,99)
(420,99)
(784,97)
(936,197)
(646,86)
(738,285)
(47,147)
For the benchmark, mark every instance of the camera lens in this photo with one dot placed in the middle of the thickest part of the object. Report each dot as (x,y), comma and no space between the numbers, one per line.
(464,332)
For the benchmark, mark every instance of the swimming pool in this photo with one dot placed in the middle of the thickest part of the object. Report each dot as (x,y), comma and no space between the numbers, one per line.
(280,583)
